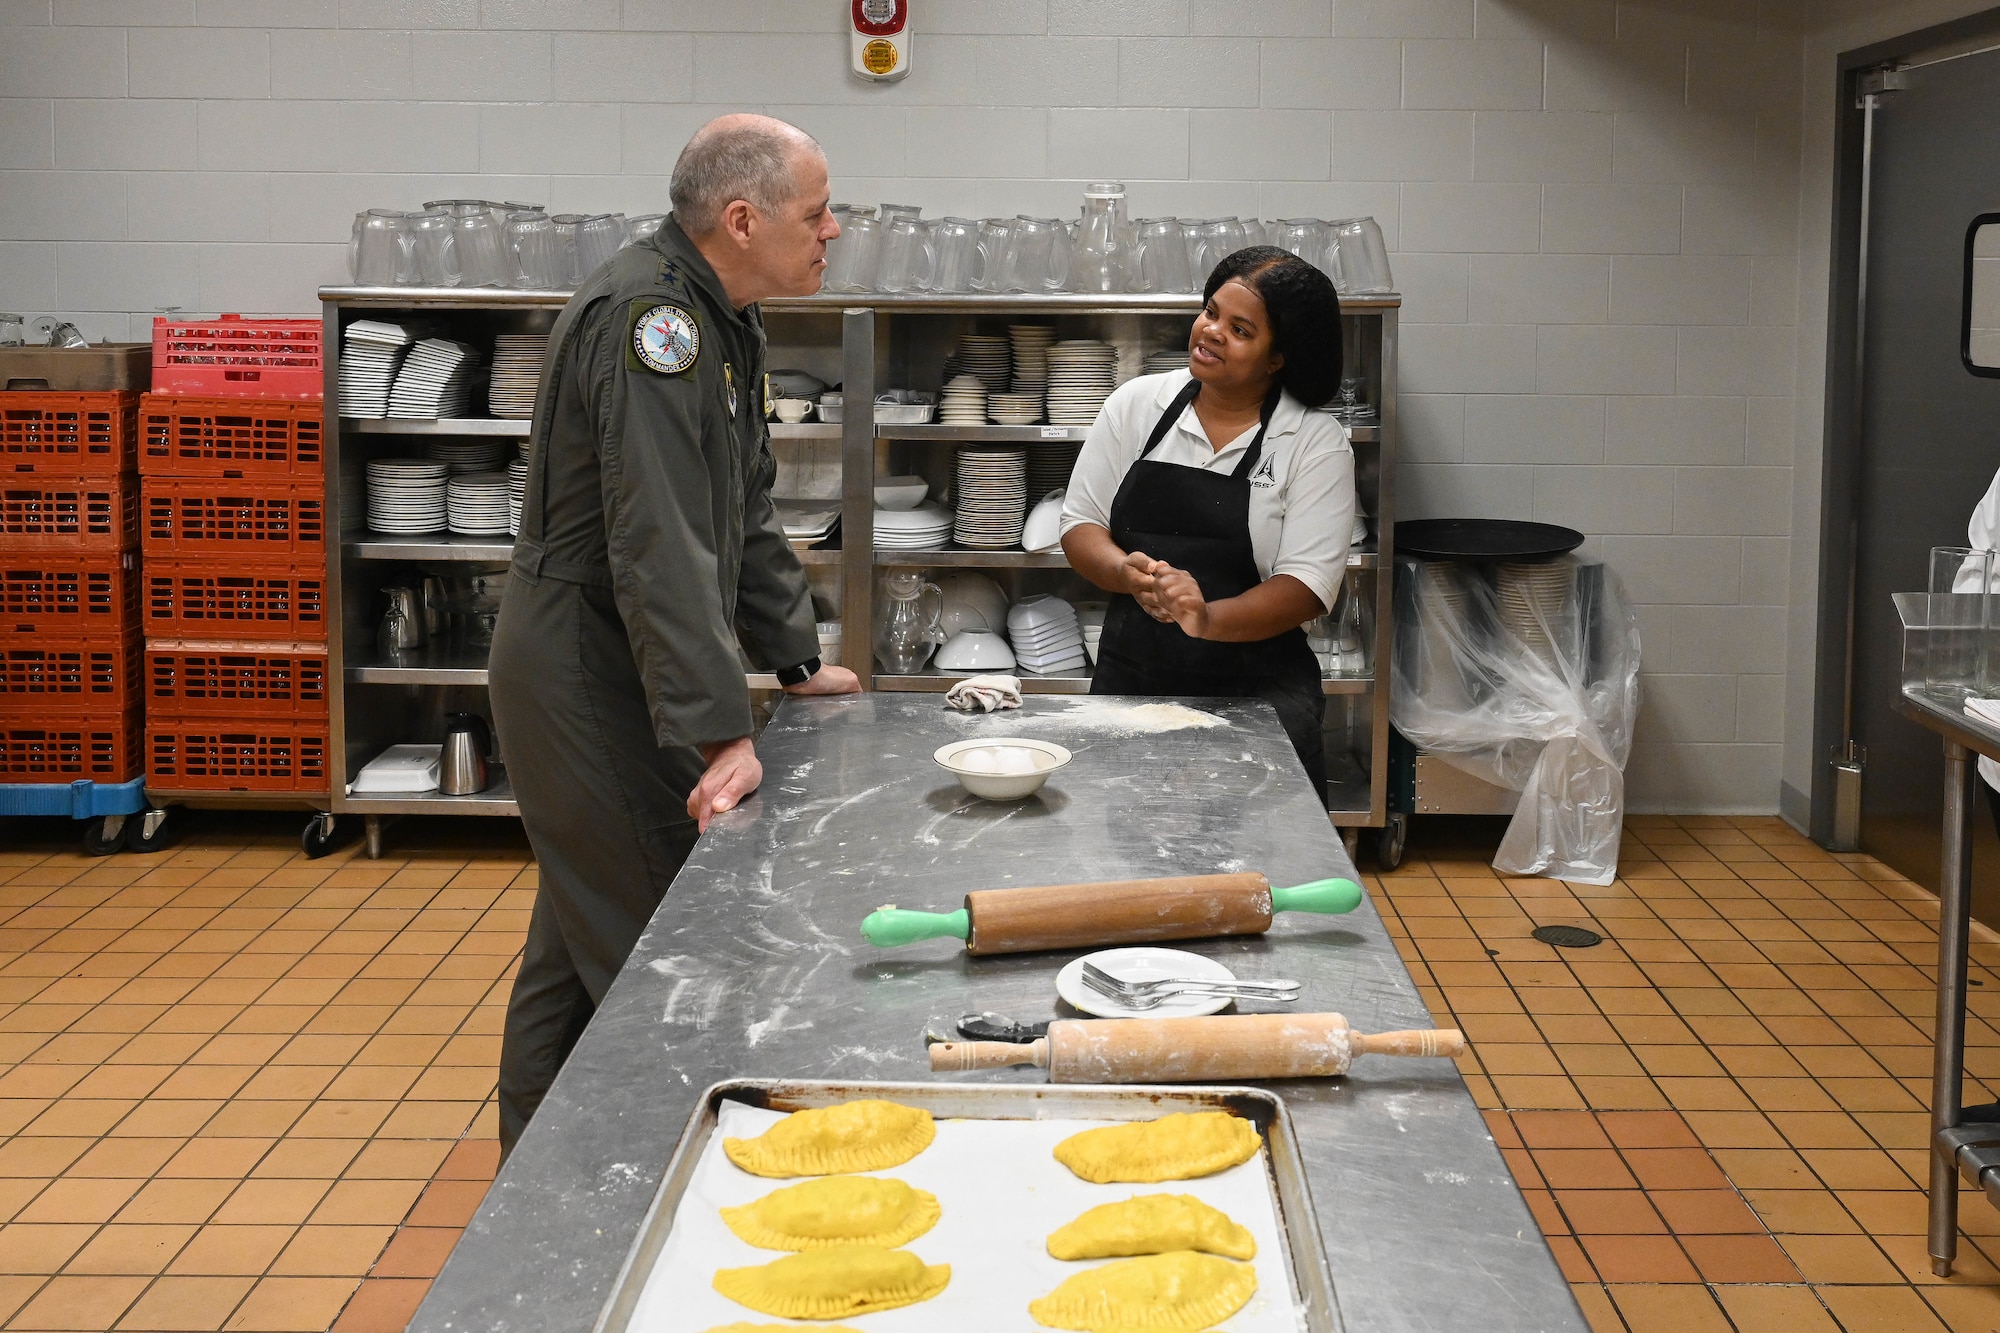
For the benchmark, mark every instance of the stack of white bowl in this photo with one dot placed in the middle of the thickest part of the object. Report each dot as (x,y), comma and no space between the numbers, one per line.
(1046,635)
(1019,407)
(964,402)
(1082,374)
(1031,353)
(1090,619)
(924,528)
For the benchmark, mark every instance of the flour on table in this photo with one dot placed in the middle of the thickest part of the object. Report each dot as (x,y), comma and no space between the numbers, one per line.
(1125,719)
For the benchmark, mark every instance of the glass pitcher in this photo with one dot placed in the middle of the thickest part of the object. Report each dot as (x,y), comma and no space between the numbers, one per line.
(907,256)
(1101,260)
(854,257)
(1161,260)
(910,622)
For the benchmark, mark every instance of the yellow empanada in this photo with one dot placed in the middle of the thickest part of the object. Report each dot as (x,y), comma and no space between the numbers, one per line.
(778,1328)
(863,1135)
(1149,1224)
(834,1283)
(1174,1147)
(839,1210)
(1182,1290)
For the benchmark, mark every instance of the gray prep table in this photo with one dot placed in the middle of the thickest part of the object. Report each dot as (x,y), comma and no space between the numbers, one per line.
(755,967)
(1960,1146)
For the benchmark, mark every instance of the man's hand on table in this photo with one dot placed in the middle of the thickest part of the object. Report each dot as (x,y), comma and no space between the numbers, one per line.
(733,773)
(828,680)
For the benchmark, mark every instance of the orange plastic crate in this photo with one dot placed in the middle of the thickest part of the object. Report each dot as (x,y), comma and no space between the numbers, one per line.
(237,754)
(233,357)
(215,518)
(207,599)
(96,595)
(68,514)
(68,674)
(181,436)
(189,679)
(68,434)
(111,748)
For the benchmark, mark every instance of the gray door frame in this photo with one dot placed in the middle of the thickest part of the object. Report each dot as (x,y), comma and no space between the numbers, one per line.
(1841,465)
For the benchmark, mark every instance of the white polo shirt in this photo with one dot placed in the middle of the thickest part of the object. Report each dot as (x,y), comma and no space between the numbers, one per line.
(1301,492)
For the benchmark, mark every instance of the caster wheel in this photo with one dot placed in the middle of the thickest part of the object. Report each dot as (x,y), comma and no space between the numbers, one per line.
(151,830)
(104,835)
(1389,842)
(319,837)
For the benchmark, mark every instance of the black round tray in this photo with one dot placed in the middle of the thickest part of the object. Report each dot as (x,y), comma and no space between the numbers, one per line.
(1484,539)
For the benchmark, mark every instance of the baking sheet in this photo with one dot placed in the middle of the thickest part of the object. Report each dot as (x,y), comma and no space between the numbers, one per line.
(1001,1192)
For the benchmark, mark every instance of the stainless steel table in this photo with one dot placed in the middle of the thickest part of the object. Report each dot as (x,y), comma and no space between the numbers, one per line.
(1963,1143)
(754,966)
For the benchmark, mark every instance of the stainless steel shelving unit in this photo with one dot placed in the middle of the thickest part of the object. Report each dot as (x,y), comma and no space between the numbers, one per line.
(864,343)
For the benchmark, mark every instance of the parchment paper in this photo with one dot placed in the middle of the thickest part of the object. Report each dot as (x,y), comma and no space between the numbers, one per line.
(1001,1191)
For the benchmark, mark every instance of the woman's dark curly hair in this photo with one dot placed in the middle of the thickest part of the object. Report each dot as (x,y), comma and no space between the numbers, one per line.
(1305,317)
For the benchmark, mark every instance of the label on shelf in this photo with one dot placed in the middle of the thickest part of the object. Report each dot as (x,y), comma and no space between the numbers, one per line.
(1055,432)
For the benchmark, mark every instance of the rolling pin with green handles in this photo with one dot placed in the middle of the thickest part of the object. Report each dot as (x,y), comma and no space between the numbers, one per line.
(1131,911)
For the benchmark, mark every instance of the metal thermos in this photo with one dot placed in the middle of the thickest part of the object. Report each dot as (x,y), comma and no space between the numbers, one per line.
(462,761)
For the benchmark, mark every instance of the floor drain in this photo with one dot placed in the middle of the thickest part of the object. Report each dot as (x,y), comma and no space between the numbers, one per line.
(1568,937)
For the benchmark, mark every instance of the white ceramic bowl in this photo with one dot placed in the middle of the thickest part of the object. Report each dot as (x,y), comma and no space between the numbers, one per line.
(973,651)
(900,492)
(1001,768)
(1043,530)
(973,600)
(1038,612)
(1091,613)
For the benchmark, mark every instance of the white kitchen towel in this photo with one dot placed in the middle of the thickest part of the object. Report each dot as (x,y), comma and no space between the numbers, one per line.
(985,693)
(1986,710)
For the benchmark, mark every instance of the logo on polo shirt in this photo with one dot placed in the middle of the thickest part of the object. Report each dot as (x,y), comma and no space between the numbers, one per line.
(1266,474)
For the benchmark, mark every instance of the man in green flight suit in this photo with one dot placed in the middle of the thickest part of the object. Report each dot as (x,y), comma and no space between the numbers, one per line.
(648,540)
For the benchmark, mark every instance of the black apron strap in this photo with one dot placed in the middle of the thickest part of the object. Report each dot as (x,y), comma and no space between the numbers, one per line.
(1180,404)
(1170,416)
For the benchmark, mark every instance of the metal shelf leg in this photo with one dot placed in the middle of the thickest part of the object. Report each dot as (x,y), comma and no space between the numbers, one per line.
(1948,1067)
(371,826)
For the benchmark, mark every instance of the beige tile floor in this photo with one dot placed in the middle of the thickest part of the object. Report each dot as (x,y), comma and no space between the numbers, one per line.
(242,1090)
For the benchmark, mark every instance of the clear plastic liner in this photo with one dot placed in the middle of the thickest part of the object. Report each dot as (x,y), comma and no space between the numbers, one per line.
(1525,675)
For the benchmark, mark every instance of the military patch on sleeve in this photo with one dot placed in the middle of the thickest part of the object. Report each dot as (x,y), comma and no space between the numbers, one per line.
(665,338)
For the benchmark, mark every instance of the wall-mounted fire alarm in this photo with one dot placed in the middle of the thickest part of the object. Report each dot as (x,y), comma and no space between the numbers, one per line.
(881,38)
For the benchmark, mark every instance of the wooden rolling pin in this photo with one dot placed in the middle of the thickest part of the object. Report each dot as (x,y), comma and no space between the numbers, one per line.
(1194,1050)
(1130,911)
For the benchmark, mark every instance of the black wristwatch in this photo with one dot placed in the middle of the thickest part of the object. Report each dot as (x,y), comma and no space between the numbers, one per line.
(800,674)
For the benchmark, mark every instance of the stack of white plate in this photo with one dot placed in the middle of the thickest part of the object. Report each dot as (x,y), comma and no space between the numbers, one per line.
(406,496)
(1090,619)
(1531,600)
(435,381)
(517,491)
(992,494)
(1082,374)
(1164,360)
(964,402)
(924,528)
(370,352)
(985,356)
(517,370)
(1046,635)
(1049,467)
(1018,408)
(476,503)
(471,454)
(1031,353)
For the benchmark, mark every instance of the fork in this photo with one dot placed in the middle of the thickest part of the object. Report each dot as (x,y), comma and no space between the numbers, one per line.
(1147,994)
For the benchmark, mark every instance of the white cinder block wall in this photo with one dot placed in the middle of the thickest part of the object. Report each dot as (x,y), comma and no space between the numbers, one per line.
(1593,209)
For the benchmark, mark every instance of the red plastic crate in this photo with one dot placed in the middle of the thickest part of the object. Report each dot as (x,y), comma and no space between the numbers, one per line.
(233,357)
(190,679)
(206,599)
(69,434)
(111,748)
(97,594)
(73,515)
(69,674)
(181,436)
(237,754)
(213,518)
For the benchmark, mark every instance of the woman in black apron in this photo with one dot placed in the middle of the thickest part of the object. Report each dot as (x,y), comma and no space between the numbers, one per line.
(1190,613)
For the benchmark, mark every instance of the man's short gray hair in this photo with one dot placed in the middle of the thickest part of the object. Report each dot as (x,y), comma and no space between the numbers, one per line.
(733,157)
